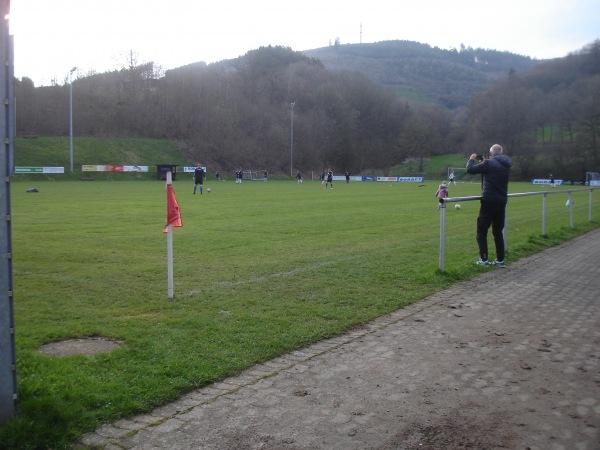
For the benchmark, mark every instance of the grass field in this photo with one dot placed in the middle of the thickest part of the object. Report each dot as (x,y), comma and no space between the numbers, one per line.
(260,269)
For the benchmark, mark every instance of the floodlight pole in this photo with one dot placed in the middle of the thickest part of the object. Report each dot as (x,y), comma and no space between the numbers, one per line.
(71,116)
(292,141)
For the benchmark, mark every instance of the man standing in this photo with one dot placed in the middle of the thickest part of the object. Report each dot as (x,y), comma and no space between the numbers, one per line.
(198,177)
(494,196)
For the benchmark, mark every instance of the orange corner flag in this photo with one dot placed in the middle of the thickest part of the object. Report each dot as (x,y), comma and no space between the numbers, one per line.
(173,213)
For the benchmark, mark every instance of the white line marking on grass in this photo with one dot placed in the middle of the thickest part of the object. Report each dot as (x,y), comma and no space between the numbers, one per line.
(226,284)
(49,276)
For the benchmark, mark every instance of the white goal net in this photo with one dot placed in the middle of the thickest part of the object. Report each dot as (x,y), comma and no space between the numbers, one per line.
(592,179)
(255,175)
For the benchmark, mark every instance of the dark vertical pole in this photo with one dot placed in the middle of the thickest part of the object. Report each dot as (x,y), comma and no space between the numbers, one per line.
(8,376)
(71,117)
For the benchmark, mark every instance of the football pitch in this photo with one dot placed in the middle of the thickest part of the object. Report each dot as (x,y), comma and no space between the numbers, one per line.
(260,269)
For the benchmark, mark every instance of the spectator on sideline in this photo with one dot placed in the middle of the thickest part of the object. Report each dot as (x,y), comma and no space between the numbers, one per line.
(347,176)
(198,177)
(494,196)
(218,175)
(552,181)
(442,192)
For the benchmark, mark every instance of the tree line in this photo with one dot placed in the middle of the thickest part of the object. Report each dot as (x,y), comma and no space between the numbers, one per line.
(238,114)
(449,78)
(548,117)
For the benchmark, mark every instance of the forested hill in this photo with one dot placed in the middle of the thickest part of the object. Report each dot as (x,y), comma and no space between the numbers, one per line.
(252,111)
(424,74)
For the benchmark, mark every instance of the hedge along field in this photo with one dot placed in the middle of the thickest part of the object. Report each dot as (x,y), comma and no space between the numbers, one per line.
(260,269)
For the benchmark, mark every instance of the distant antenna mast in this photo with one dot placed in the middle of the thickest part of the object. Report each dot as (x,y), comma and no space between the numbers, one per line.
(361,33)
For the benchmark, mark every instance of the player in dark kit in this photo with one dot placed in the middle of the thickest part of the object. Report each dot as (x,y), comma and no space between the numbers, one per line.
(329,179)
(198,177)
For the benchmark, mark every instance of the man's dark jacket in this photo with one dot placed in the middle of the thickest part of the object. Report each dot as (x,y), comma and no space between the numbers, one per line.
(495,172)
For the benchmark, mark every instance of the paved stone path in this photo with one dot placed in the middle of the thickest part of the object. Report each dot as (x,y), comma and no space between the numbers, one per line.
(509,360)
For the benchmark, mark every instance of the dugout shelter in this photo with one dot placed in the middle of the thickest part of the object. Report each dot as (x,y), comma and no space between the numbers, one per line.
(162,169)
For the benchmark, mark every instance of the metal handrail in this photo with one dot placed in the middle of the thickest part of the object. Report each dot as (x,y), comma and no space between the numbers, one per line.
(569,192)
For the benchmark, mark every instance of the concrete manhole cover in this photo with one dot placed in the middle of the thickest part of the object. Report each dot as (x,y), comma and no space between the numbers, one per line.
(84,346)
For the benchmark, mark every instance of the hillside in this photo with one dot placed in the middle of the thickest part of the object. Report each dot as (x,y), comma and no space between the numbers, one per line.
(279,110)
(54,151)
(421,73)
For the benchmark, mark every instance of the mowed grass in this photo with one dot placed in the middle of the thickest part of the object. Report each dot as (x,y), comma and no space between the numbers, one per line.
(260,269)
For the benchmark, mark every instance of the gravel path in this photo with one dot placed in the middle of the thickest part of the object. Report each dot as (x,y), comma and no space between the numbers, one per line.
(510,360)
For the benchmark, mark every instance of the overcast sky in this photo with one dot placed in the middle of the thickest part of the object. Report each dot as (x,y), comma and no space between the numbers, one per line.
(52,36)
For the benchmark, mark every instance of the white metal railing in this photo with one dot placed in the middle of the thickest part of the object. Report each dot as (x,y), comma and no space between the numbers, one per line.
(545,194)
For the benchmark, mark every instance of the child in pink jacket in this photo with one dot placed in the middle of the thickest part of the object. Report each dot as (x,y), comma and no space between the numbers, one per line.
(442,192)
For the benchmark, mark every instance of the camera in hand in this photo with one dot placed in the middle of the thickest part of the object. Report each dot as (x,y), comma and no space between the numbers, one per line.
(479,157)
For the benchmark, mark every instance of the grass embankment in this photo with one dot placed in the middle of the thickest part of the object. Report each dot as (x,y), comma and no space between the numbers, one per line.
(54,151)
(260,269)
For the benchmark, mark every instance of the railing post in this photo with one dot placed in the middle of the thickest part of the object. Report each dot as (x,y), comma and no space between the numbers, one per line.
(590,207)
(442,233)
(571,210)
(505,229)
(544,200)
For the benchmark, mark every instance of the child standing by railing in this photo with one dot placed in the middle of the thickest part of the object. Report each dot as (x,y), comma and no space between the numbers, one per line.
(442,192)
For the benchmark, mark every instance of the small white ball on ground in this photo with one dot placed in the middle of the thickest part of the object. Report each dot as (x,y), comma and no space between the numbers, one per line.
(207,189)
(457,206)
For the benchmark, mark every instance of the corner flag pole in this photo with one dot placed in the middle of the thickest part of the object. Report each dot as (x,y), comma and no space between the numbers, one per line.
(169,249)
(173,220)
(170,261)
